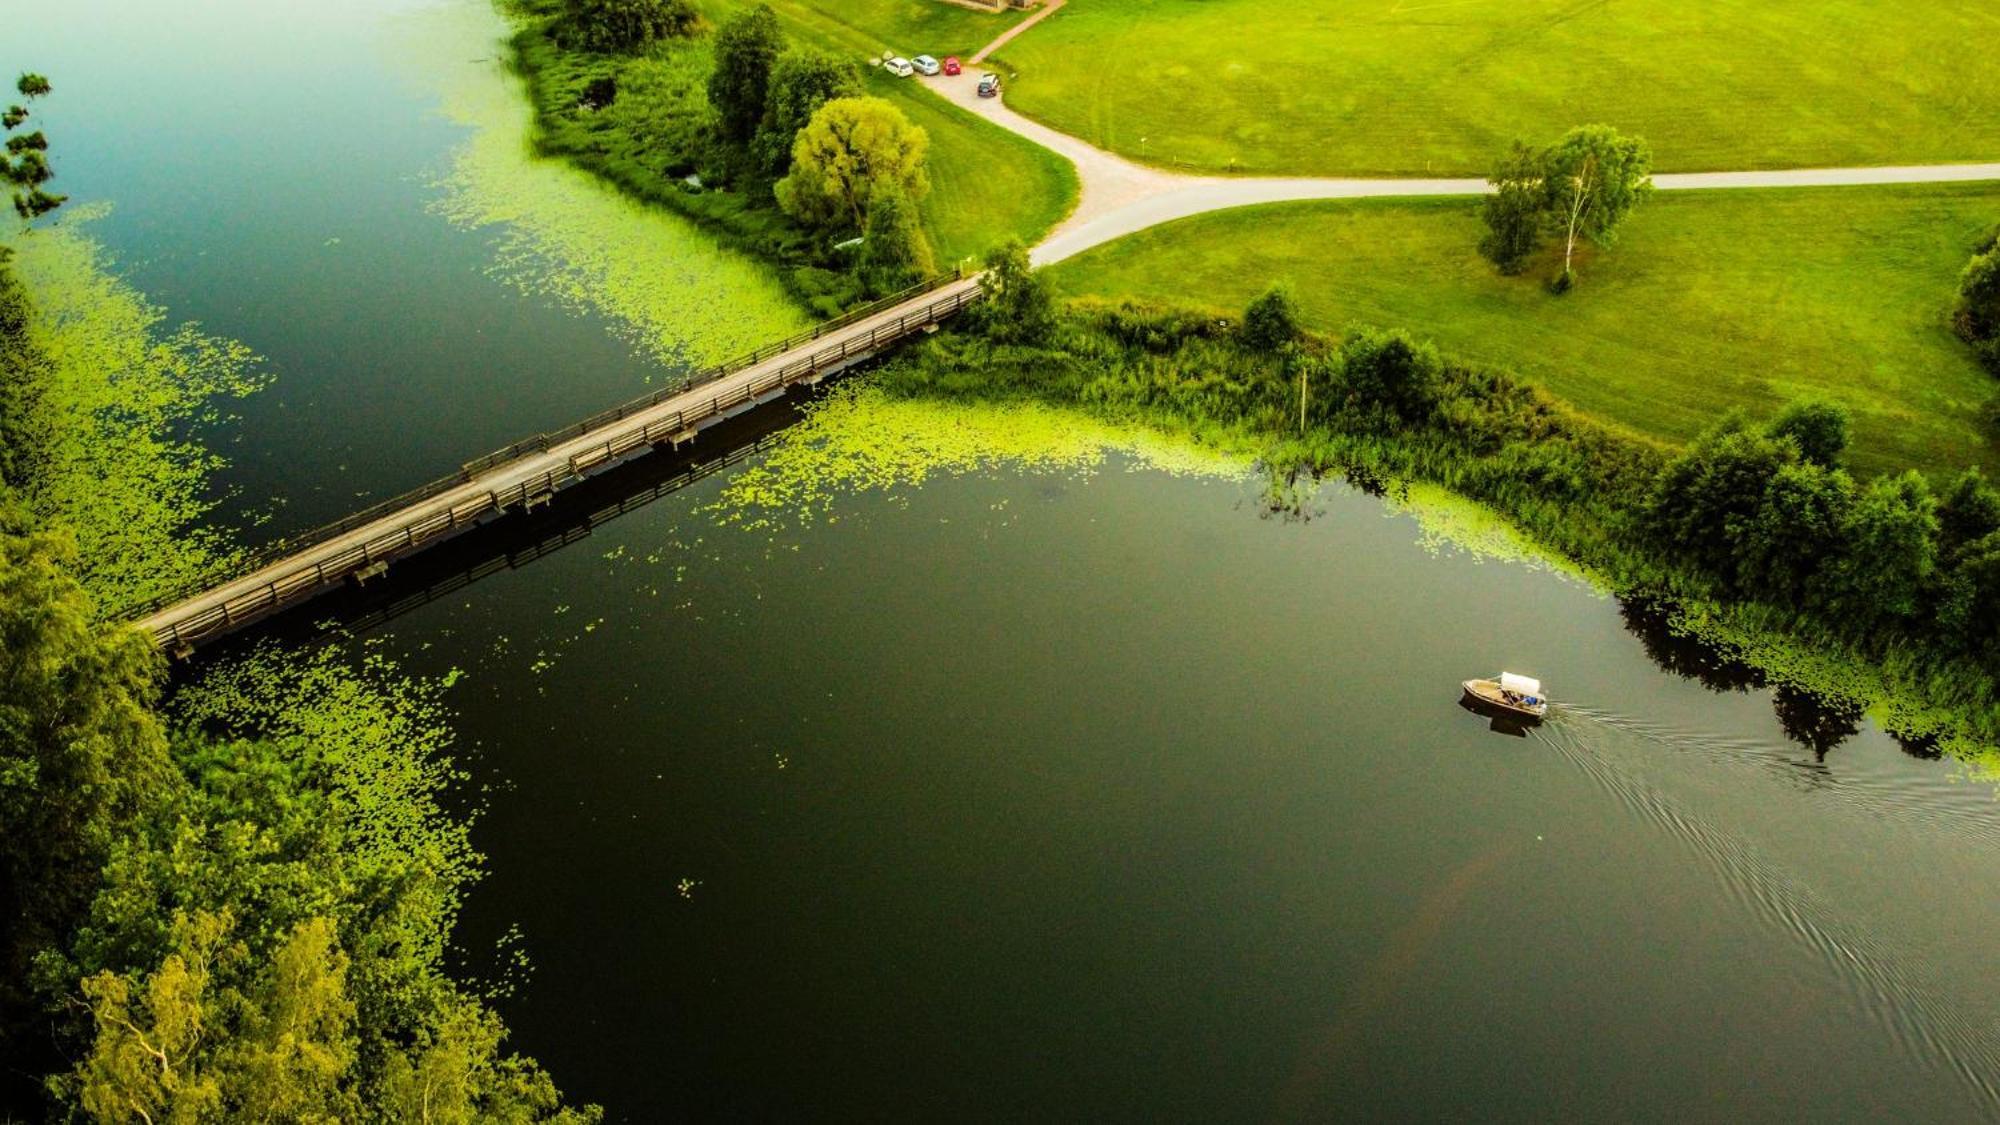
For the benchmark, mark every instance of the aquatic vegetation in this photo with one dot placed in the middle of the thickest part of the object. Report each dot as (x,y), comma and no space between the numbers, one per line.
(127,398)
(561,233)
(385,736)
(1447,522)
(863,438)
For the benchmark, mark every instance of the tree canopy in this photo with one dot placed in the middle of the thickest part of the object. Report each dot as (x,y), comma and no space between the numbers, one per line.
(851,148)
(746,49)
(801,82)
(894,251)
(1581,189)
(623,26)
(1018,307)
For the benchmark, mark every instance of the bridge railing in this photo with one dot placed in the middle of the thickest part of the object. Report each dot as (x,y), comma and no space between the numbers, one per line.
(308,577)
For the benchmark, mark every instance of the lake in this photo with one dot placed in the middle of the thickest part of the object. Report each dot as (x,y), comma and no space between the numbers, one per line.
(942,763)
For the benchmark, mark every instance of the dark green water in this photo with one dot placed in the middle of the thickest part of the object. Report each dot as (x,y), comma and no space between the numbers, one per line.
(1028,794)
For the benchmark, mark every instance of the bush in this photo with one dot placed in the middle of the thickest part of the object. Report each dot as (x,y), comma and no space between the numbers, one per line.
(1977,318)
(1272,320)
(1389,370)
(1819,429)
(623,26)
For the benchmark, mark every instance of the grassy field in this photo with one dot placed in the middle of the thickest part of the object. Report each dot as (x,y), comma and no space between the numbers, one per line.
(1423,86)
(1709,300)
(987,185)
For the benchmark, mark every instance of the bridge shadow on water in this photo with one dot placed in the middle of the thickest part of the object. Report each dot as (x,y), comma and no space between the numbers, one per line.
(513,538)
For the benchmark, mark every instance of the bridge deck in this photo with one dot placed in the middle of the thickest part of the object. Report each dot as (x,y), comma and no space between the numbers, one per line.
(532,470)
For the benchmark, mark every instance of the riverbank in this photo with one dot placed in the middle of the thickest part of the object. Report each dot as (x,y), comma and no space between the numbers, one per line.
(654,139)
(1388,411)
(238,902)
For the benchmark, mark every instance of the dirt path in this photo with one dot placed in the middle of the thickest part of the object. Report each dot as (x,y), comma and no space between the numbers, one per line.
(1120,197)
(1007,36)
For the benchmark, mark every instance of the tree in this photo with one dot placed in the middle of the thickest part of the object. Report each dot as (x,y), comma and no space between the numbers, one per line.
(1514,211)
(850,148)
(1798,526)
(26,163)
(1391,370)
(211,1035)
(745,49)
(894,252)
(1018,307)
(1819,429)
(1272,320)
(801,82)
(23,381)
(1590,181)
(623,26)
(81,755)
(1889,555)
(1708,500)
(1968,511)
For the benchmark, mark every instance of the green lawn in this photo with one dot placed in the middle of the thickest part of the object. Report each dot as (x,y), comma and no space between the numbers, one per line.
(1441,86)
(987,185)
(1710,300)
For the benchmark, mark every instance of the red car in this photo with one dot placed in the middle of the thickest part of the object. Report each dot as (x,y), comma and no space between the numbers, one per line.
(951,64)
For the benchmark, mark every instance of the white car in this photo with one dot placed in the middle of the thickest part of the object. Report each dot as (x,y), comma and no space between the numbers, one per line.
(899,66)
(926,65)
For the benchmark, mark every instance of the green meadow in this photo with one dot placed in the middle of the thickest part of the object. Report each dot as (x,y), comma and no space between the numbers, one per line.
(987,184)
(1708,301)
(1408,87)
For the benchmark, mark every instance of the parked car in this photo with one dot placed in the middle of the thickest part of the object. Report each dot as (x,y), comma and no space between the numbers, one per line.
(989,86)
(951,64)
(925,65)
(899,66)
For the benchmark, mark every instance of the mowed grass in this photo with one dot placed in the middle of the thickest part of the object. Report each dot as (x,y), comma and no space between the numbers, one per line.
(1710,300)
(1396,87)
(987,184)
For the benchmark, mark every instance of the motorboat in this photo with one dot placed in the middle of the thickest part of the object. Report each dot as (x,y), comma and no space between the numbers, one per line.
(1515,695)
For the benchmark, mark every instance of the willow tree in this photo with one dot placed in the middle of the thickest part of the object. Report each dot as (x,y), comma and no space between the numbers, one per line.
(852,148)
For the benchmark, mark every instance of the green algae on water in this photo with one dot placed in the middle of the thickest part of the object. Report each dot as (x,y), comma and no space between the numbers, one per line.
(1447,521)
(560,232)
(861,438)
(383,736)
(127,396)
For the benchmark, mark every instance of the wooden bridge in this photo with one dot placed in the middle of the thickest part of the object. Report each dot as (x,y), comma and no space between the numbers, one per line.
(528,473)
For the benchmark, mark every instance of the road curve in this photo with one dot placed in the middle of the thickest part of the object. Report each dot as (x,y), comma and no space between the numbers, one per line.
(1120,197)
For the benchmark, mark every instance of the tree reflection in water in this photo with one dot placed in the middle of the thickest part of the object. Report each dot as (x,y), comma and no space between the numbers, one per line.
(1684,655)
(1818,723)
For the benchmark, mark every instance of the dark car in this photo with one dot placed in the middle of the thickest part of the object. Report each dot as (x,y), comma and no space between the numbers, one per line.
(989,86)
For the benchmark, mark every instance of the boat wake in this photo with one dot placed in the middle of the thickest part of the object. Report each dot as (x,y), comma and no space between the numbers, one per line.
(1914,1018)
(1943,800)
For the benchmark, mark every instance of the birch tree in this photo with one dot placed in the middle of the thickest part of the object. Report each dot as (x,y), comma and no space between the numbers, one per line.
(1590,181)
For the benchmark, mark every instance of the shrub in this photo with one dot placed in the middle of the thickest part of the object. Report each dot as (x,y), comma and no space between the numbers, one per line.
(1819,429)
(1977,318)
(1272,320)
(1391,371)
